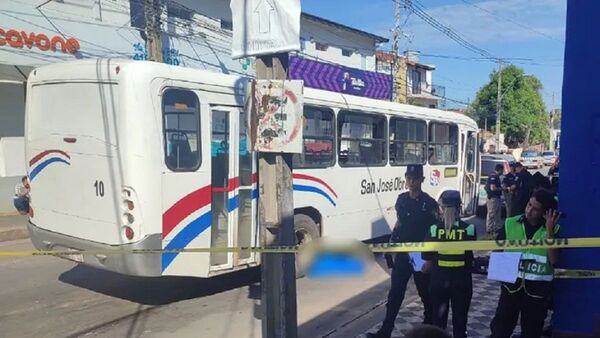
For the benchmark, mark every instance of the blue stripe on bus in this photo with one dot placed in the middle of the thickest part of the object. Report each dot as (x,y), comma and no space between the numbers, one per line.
(307,188)
(185,236)
(44,164)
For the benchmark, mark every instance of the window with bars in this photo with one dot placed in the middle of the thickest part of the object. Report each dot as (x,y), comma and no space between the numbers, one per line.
(318,139)
(443,143)
(408,141)
(361,139)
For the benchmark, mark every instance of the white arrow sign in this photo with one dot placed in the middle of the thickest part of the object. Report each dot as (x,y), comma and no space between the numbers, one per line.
(262,13)
(264,27)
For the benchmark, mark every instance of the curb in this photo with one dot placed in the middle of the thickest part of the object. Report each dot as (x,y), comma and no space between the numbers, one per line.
(13,233)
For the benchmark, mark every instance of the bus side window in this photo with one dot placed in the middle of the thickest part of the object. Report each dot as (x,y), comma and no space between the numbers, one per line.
(361,139)
(443,143)
(408,141)
(318,139)
(181,125)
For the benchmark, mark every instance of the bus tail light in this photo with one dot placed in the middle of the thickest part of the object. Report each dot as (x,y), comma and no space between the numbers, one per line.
(129,234)
(128,218)
(129,205)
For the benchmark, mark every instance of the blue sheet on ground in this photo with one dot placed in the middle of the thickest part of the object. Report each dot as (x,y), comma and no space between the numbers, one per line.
(326,265)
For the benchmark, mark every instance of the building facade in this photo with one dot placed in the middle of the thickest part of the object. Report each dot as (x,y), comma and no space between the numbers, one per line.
(195,34)
(413,82)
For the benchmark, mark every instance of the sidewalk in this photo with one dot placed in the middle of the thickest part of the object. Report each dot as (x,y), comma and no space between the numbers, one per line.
(13,228)
(483,307)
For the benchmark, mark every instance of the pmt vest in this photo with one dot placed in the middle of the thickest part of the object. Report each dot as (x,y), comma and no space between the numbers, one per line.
(460,231)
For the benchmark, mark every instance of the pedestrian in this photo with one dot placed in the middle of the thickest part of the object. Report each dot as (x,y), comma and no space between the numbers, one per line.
(427,331)
(416,211)
(508,189)
(540,181)
(21,200)
(493,188)
(528,296)
(451,283)
(523,189)
(553,174)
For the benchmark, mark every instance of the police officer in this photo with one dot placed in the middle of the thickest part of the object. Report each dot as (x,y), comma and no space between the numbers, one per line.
(529,295)
(416,211)
(524,183)
(451,283)
(508,189)
(493,188)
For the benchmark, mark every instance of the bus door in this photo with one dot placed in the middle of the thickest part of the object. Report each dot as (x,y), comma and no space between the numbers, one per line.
(233,194)
(470,181)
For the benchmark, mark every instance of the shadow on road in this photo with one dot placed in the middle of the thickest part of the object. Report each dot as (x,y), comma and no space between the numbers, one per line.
(157,290)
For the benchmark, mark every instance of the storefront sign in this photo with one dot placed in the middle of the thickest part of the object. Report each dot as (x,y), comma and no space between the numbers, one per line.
(22,39)
(337,78)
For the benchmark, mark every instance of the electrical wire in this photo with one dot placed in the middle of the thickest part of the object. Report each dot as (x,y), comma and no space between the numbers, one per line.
(531,29)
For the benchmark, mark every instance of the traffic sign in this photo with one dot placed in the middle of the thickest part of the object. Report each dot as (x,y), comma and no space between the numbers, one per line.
(263,27)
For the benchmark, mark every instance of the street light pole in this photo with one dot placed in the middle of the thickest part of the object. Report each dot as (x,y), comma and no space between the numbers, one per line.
(499,105)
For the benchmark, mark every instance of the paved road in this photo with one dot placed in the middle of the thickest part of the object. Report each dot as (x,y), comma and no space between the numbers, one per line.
(50,297)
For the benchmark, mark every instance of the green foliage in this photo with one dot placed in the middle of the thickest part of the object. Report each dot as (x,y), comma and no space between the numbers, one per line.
(524,117)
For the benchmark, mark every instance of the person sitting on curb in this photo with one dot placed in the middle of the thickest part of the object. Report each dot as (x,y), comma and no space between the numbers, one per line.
(21,199)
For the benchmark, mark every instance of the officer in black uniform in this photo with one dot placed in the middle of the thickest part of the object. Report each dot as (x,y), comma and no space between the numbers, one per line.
(416,211)
(524,183)
(493,189)
(451,283)
(508,189)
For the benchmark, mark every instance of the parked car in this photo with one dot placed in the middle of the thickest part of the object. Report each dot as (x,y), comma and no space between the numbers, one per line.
(488,164)
(532,159)
(549,157)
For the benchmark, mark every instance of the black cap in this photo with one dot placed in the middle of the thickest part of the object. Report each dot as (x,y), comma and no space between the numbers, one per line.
(414,170)
(518,165)
(451,198)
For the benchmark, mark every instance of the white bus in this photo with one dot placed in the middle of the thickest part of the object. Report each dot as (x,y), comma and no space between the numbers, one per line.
(139,155)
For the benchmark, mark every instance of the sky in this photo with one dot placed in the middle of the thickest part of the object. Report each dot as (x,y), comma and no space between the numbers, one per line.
(520,29)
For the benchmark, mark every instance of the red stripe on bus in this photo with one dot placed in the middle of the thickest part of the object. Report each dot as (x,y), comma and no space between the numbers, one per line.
(44,153)
(315,179)
(233,184)
(185,207)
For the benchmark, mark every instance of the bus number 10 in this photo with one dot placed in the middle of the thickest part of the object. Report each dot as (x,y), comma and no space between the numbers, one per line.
(99,185)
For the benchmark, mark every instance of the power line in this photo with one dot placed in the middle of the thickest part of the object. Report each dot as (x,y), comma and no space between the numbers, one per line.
(418,9)
(531,29)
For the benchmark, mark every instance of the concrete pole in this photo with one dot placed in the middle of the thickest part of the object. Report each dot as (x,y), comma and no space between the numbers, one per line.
(276,202)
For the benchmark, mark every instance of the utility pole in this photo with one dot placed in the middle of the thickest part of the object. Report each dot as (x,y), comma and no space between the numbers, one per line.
(396,34)
(276,202)
(551,128)
(499,105)
(153,15)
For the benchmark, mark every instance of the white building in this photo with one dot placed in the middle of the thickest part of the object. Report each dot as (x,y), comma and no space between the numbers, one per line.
(196,34)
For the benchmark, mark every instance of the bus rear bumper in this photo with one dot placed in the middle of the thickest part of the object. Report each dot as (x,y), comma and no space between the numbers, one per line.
(146,265)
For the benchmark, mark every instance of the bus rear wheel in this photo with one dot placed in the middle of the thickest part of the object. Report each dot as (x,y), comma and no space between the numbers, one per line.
(306,230)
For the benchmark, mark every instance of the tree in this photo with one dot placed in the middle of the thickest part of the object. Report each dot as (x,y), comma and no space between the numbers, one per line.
(524,117)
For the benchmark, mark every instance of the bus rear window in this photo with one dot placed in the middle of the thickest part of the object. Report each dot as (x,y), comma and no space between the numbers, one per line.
(181,130)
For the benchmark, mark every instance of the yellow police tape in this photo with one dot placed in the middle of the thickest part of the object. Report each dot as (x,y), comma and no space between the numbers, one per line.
(559,243)
(356,248)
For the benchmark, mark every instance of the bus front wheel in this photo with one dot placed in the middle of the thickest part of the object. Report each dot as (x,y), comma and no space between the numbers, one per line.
(306,230)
